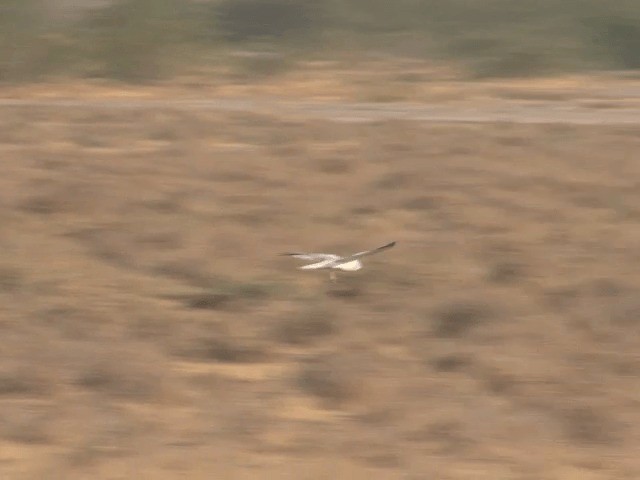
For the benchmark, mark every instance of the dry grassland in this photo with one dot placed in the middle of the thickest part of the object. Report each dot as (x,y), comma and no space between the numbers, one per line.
(149,330)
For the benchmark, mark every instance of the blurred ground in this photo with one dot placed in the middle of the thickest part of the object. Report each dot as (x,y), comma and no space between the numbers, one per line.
(149,330)
(386,80)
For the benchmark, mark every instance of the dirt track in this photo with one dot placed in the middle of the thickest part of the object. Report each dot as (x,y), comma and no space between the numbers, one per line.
(148,330)
(514,112)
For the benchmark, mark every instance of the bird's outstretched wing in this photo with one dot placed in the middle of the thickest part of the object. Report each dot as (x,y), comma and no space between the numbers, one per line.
(313,256)
(369,252)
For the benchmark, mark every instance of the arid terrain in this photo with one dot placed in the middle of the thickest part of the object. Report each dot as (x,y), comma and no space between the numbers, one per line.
(149,330)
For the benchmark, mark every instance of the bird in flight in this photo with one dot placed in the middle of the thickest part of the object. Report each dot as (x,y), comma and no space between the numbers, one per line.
(332,262)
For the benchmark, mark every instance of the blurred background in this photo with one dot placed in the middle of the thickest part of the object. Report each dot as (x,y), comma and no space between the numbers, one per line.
(137,40)
(157,155)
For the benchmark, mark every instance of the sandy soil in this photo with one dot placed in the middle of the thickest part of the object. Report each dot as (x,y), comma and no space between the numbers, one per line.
(149,330)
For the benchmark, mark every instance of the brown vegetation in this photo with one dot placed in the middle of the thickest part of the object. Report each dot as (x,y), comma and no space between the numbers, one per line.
(148,328)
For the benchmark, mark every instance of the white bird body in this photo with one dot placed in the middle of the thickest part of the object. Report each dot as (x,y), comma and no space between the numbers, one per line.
(323,261)
(351,266)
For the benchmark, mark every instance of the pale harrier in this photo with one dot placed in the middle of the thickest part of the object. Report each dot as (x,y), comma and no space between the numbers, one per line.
(333,262)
